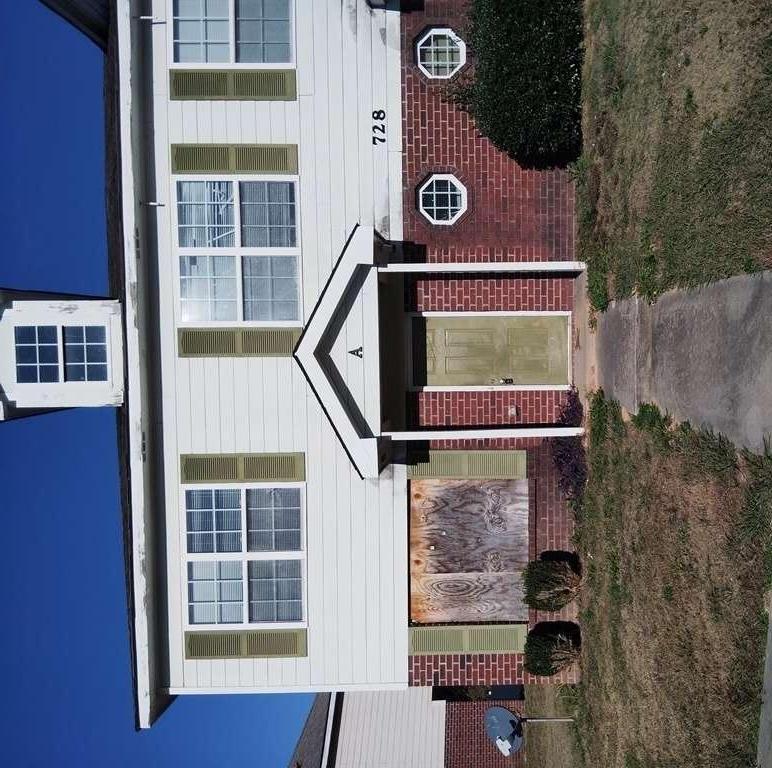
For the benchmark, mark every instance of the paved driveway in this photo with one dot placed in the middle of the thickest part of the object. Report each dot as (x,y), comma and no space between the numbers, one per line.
(705,356)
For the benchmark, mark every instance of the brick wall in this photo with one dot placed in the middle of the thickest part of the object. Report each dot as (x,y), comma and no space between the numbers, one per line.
(487,294)
(478,669)
(551,522)
(467,745)
(551,527)
(513,214)
(496,408)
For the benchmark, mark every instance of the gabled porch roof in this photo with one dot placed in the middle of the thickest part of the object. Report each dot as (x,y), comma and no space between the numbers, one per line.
(340,355)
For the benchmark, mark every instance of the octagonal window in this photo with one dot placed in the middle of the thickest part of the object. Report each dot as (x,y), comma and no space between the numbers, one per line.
(441,53)
(442,199)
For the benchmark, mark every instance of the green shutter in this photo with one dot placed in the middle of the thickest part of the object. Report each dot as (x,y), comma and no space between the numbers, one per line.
(242,467)
(211,468)
(265,85)
(201,158)
(200,84)
(285,467)
(269,342)
(243,85)
(234,158)
(479,465)
(265,158)
(249,644)
(237,342)
(481,638)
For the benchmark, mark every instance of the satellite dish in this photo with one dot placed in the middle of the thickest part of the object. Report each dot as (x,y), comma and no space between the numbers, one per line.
(505,729)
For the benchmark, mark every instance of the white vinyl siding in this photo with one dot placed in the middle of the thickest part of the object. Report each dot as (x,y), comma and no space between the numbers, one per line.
(232,31)
(355,604)
(257,221)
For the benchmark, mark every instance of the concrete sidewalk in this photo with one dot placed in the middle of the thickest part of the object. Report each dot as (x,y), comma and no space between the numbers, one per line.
(704,356)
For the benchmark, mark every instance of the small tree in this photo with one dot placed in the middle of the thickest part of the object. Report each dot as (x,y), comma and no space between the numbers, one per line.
(524,89)
(551,583)
(551,647)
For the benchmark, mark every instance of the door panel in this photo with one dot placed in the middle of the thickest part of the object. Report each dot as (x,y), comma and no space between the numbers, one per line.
(481,350)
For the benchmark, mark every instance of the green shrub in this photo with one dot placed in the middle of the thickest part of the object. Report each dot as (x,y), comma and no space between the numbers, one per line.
(550,583)
(524,90)
(551,647)
(568,453)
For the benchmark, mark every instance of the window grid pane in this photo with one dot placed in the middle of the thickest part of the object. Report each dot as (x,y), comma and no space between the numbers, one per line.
(268,215)
(201,31)
(441,200)
(213,520)
(215,592)
(440,54)
(270,288)
(37,354)
(208,288)
(85,353)
(205,216)
(273,520)
(275,591)
(263,31)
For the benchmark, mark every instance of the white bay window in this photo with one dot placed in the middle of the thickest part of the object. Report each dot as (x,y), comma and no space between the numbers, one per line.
(232,31)
(238,244)
(245,556)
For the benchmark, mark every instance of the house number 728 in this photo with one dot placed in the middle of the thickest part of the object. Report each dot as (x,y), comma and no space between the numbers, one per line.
(379,127)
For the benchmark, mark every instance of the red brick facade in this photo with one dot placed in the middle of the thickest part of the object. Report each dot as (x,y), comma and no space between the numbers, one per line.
(551,527)
(487,294)
(513,214)
(477,669)
(462,409)
(466,744)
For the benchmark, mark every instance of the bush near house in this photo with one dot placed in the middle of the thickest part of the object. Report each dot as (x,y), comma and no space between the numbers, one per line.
(551,583)
(524,88)
(551,646)
(674,534)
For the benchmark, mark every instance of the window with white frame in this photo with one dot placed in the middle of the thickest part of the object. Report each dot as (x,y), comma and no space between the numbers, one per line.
(232,31)
(257,575)
(37,354)
(239,251)
(441,53)
(51,353)
(442,199)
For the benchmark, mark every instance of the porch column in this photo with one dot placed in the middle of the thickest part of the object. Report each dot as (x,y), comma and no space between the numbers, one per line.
(489,433)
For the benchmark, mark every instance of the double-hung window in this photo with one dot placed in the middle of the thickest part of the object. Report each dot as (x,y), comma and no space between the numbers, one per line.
(239,249)
(245,555)
(48,354)
(232,31)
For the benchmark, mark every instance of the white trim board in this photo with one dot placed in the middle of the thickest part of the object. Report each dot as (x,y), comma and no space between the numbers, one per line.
(473,433)
(486,266)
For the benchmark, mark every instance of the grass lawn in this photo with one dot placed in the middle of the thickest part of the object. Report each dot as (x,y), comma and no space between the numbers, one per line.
(674,533)
(675,182)
(550,745)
